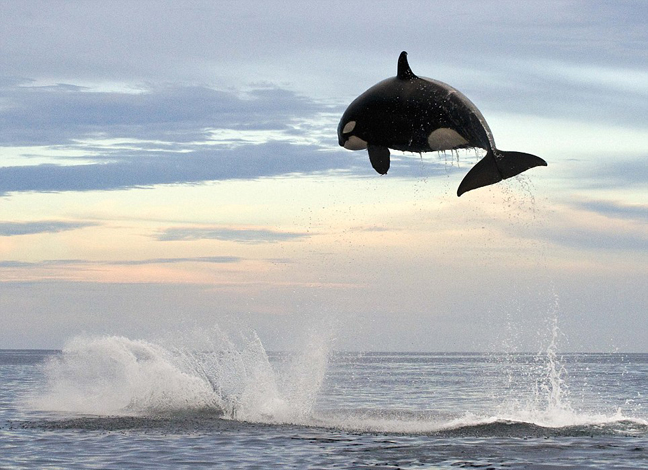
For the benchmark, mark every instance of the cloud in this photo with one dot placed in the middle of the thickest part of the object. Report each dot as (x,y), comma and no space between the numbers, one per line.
(560,90)
(616,209)
(200,259)
(589,238)
(251,236)
(148,169)
(63,114)
(9,229)
(163,135)
(142,262)
(598,226)
(620,173)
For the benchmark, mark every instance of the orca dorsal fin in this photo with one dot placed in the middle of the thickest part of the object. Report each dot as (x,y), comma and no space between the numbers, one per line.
(404,70)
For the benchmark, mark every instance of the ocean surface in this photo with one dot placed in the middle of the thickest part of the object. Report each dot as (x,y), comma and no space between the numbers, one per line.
(114,402)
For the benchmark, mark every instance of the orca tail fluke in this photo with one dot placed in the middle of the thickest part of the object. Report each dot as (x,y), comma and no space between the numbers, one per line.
(498,166)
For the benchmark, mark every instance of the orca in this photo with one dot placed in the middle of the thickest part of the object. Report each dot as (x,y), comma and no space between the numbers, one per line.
(418,114)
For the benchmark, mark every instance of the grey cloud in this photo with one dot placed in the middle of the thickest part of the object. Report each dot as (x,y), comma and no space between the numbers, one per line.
(201,259)
(577,237)
(79,262)
(65,113)
(147,169)
(616,235)
(16,264)
(171,131)
(616,209)
(251,236)
(534,91)
(8,229)
(44,263)
(614,173)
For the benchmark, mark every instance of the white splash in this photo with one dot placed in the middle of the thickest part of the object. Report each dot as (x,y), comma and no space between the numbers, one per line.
(208,372)
(117,375)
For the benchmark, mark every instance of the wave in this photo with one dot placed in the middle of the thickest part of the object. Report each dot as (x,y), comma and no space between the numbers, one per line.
(207,421)
(505,428)
(471,425)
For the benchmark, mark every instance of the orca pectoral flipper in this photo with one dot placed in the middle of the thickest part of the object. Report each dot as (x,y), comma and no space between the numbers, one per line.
(492,169)
(379,157)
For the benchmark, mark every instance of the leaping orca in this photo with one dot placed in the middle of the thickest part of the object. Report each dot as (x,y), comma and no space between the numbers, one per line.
(418,114)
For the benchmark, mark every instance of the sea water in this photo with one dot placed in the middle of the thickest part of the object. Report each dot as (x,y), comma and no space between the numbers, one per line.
(211,401)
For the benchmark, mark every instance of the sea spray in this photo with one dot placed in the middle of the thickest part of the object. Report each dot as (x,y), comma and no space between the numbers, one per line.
(538,390)
(304,375)
(205,372)
(552,387)
(115,375)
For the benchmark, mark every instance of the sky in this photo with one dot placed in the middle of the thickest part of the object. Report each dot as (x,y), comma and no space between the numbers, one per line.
(167,166)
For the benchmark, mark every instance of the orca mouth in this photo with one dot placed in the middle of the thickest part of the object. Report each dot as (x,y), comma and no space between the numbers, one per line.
(355,143)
